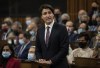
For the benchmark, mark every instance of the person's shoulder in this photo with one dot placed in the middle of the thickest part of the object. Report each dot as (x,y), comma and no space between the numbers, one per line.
(14,59)
(89,50)
(77,50)
(59,25)
(41,27)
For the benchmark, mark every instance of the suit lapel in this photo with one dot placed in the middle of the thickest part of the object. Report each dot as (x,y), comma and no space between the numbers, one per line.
(53,31)
(43,35)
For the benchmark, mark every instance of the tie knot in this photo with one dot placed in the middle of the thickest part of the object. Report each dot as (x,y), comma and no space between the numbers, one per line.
(48,27)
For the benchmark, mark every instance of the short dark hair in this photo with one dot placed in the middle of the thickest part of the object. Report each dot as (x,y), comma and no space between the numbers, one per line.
(84,34)
(46,6)
(27,35)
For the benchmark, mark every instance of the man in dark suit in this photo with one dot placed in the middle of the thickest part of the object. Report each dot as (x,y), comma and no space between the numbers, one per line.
(52,40)
(24,45)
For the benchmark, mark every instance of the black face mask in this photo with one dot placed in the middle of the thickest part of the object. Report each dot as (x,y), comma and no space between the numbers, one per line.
(16,32)
(94,8)
(83,21)
(5,29)
(57,17)
(64,21)
(82,44)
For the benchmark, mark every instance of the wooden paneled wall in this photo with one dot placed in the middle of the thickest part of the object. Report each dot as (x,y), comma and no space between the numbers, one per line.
(73,6)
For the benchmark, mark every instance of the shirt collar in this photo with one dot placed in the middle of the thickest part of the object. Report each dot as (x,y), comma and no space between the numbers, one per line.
(50,25)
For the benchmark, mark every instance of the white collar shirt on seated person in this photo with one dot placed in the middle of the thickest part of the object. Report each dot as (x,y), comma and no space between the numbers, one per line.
(79,52)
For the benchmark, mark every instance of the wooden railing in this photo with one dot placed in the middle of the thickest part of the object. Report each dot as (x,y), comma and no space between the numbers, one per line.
(32,64)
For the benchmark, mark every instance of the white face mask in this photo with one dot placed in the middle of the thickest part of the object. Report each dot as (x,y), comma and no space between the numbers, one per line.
(10,41)
(28,22)
(6,54)
(15,41)
(21,41)
(31,56)
(80,30)
(32,33)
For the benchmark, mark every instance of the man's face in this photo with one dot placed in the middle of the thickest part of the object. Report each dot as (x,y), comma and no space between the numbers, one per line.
(47,16)
(14,27)
(69,26)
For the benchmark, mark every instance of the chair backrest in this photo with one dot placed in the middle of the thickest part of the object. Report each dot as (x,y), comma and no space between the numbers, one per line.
(87,62)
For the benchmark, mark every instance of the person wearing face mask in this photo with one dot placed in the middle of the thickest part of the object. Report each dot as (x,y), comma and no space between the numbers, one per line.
(5,30)
(7,57)
(94,9)
(83,27)
(31,54)
(32,29)
(12,39)
(78,20)
(83,50)
(24,45)
(28,20)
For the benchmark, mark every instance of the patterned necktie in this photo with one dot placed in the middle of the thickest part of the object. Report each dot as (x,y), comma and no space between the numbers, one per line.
(47,35)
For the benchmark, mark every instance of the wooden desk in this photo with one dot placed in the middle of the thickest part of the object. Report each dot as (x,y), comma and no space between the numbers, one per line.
(32,64)
(87,62)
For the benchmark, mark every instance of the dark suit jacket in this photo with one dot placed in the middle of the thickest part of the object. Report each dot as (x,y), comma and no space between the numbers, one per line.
(72,37)
(25,51)
(57,46)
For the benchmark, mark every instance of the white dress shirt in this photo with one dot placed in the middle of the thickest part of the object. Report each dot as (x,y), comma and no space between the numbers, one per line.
(50,25)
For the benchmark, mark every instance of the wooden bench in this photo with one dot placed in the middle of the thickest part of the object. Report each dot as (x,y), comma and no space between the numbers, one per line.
(32,64)
(87,62)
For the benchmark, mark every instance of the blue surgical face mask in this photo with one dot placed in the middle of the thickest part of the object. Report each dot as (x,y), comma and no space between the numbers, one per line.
(31,56)
(32,33)
(80,30)
(21,41)
(10,41)
(28,22)
(6,54)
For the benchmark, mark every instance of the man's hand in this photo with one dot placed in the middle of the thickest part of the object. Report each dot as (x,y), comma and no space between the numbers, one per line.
(43,61)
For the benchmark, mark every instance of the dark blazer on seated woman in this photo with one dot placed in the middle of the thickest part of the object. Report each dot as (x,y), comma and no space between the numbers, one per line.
(7,59)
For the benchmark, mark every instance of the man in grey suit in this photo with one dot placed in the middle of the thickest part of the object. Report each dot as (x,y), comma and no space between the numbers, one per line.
(52,40)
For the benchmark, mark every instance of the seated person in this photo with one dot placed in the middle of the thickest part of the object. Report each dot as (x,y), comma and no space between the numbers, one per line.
(24,45)
(96,38)
(32,29)
(12,39)
(83,50)
(31,54)
(7,57)
(71,34)
(96,47)
(96,52)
